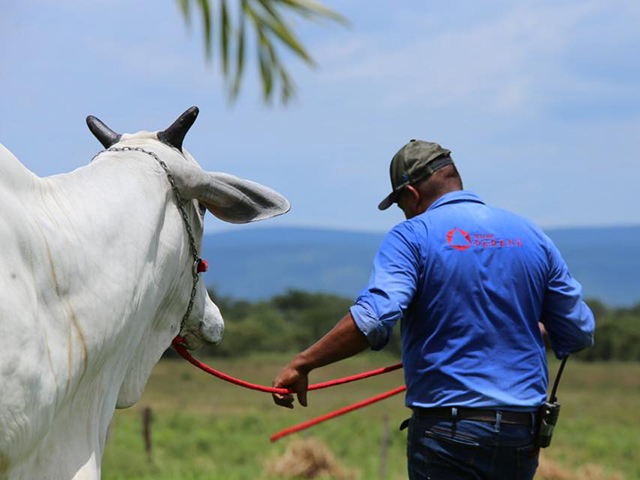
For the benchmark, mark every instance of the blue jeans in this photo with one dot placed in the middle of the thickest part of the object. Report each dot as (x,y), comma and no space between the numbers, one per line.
(443,449)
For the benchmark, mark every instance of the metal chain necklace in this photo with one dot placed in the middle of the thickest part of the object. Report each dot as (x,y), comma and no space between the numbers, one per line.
(195,270)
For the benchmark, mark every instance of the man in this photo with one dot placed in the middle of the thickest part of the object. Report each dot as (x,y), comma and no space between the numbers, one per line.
(470,283)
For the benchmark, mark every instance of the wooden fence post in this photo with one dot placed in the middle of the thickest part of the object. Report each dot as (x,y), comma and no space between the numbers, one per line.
(147,418)
(384,447)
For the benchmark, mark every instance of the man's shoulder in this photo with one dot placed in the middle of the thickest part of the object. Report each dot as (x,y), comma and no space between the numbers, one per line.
(408,229)
(523,224)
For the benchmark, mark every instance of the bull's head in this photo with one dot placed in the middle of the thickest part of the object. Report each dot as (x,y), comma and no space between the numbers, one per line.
(227,197)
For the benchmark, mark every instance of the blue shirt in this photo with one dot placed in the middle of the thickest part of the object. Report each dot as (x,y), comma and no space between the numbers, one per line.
(470,283)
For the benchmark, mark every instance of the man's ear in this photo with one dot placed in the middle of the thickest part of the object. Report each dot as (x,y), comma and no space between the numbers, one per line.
(412,197)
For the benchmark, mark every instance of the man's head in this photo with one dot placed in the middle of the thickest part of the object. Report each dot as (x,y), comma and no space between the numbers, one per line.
(421,172)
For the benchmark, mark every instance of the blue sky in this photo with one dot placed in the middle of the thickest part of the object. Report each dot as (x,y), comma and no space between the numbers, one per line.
(539,101)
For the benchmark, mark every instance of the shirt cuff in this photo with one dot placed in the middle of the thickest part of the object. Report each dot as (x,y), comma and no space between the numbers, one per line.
(375,332)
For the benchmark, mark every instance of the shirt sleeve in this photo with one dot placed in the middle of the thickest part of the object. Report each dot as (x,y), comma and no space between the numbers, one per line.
(567,318)
(391,287)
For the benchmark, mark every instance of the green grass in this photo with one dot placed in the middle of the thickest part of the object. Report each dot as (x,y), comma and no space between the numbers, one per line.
(204,428)
(600,418)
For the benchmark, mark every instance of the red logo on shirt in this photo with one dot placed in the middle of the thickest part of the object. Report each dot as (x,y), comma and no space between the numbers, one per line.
(489,240)
(458,239)
(461,240)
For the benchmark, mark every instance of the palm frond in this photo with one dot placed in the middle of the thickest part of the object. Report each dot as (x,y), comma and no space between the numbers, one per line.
(207,26)
(184,7)
(272,31)
(235,88)
(225,31)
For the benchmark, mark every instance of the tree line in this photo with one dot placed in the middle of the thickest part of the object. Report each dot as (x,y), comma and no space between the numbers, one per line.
(292,321)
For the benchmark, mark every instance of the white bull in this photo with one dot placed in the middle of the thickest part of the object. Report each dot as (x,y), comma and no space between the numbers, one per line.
(95,277)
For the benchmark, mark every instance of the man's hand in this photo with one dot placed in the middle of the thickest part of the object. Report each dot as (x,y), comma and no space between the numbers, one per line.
(343,341)
(294,379)
(543,330)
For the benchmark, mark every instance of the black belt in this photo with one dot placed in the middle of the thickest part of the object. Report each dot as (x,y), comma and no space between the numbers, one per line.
(481,415)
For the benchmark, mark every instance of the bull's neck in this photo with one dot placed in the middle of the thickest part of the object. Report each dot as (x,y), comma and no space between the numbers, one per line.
(105,231)
(100,228)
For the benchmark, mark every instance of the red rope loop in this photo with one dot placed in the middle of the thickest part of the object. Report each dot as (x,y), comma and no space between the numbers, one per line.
(178,345)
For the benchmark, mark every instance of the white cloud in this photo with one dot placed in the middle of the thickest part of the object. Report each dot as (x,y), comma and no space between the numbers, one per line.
(512,63)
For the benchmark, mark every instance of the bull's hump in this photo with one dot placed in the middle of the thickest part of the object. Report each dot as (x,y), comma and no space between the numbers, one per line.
(12,173)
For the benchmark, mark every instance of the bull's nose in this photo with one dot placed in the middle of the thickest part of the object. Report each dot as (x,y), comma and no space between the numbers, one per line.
(212,324)
(212,332)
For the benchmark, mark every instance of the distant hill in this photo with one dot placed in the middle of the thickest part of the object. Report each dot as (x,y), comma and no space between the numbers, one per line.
(606,261)
(258,263)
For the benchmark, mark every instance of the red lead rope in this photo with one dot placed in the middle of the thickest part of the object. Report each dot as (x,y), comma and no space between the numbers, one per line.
(178,345)
(310,423)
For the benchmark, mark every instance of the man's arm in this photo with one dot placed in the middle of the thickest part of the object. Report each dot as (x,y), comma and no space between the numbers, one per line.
(567,319)
(343,341)
(370,320)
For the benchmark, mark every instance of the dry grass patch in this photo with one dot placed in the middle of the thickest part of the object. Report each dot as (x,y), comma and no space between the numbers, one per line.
(550,470)
(308,458)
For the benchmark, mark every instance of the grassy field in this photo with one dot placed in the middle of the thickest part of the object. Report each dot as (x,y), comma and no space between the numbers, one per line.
(203,428)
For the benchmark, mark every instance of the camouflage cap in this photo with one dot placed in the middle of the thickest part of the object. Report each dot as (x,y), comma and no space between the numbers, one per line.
(414,162)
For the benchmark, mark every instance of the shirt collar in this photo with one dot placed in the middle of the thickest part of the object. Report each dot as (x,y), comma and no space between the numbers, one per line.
(454,197)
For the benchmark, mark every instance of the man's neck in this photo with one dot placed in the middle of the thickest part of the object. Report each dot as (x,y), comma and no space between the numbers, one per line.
(427,199)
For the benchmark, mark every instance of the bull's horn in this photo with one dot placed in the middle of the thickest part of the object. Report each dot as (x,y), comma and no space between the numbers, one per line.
(174,135)
(104,134)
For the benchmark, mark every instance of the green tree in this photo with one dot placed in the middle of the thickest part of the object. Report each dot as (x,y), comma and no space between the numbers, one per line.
(617,335)
(225,26)
(598,308)
(296,319)
(286,323)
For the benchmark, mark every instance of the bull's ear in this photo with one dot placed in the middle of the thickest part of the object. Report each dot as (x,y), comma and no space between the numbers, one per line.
(230,198)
